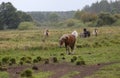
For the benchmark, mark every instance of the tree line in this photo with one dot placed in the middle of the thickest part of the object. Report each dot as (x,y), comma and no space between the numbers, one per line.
(104,6)
(98,14)
(10,18)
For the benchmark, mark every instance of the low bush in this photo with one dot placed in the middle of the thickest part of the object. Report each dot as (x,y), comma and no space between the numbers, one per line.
(55,60)
(27,73)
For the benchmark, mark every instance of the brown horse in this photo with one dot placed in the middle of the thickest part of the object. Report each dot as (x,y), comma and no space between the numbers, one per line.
(69,40)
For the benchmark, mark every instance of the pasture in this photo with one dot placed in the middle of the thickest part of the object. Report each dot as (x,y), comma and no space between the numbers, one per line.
(22,50)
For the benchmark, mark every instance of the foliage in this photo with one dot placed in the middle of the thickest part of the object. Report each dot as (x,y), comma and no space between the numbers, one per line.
(4,75)
(103,6)
(105,19)
(71,22)
(10,17)
(53,17)
(27,73)
(26,25)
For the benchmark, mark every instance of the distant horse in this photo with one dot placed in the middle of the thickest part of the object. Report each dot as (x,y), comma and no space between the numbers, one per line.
(85,33)
(46,34)
(95,32)
(69,40)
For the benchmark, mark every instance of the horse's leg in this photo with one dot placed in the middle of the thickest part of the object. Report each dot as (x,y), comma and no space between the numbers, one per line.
(67,49)
(72,48)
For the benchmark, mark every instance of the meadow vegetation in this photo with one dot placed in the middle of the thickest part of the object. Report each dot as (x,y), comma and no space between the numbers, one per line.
(24,47)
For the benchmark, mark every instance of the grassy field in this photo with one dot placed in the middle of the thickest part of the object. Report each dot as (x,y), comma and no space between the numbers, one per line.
(22,47)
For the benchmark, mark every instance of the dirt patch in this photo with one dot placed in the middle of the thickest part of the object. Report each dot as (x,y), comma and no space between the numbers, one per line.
(58,69)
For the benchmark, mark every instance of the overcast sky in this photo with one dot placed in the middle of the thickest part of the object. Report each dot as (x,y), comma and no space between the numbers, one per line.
(49,5)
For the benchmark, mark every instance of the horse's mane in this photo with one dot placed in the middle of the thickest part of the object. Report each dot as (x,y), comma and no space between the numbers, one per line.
(64,36)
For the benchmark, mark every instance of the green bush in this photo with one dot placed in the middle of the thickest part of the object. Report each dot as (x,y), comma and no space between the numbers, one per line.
(26,59)
(26,25)
(5,60)
(21,62)
(80,61)
(55,59)
(39,58)
(27,73)
(13,61)
(117,23)
(71,22)
(35,60)
(46,61)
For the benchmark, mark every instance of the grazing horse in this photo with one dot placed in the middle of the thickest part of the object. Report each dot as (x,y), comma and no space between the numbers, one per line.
(69,40)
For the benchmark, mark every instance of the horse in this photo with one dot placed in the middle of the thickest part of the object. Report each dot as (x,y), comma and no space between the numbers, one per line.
(69,40)
(95,32)
(46,34)
(85,33)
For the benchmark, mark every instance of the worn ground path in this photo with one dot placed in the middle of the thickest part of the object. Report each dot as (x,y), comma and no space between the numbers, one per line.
(59,69)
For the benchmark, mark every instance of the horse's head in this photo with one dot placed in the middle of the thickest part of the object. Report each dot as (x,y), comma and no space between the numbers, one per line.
(62,40)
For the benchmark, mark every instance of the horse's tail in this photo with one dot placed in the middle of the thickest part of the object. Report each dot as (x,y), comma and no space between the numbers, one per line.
(75,33)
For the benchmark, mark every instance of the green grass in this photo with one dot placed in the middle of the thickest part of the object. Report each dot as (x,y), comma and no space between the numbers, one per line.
(4,75)
(28,43)
(70,74)
(42,75)
(111,71)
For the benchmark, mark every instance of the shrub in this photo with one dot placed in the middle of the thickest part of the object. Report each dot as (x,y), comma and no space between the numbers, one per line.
(80,62)
(13,61)
(26,25)
(5,60)
(46,61)
(23,59)
(63,58)
(35,68)
(71,22)
(26,59)
(39,58)
(35,60)
(55,59)
(21,62)
(62,54)
(27,73)
(74,58)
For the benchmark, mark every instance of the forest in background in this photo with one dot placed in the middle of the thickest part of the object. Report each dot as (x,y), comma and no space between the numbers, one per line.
(98,14)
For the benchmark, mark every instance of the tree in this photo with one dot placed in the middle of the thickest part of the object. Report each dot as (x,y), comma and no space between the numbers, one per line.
(78,14)
(10,17)
(53,17)
(24,17)
(105,19)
